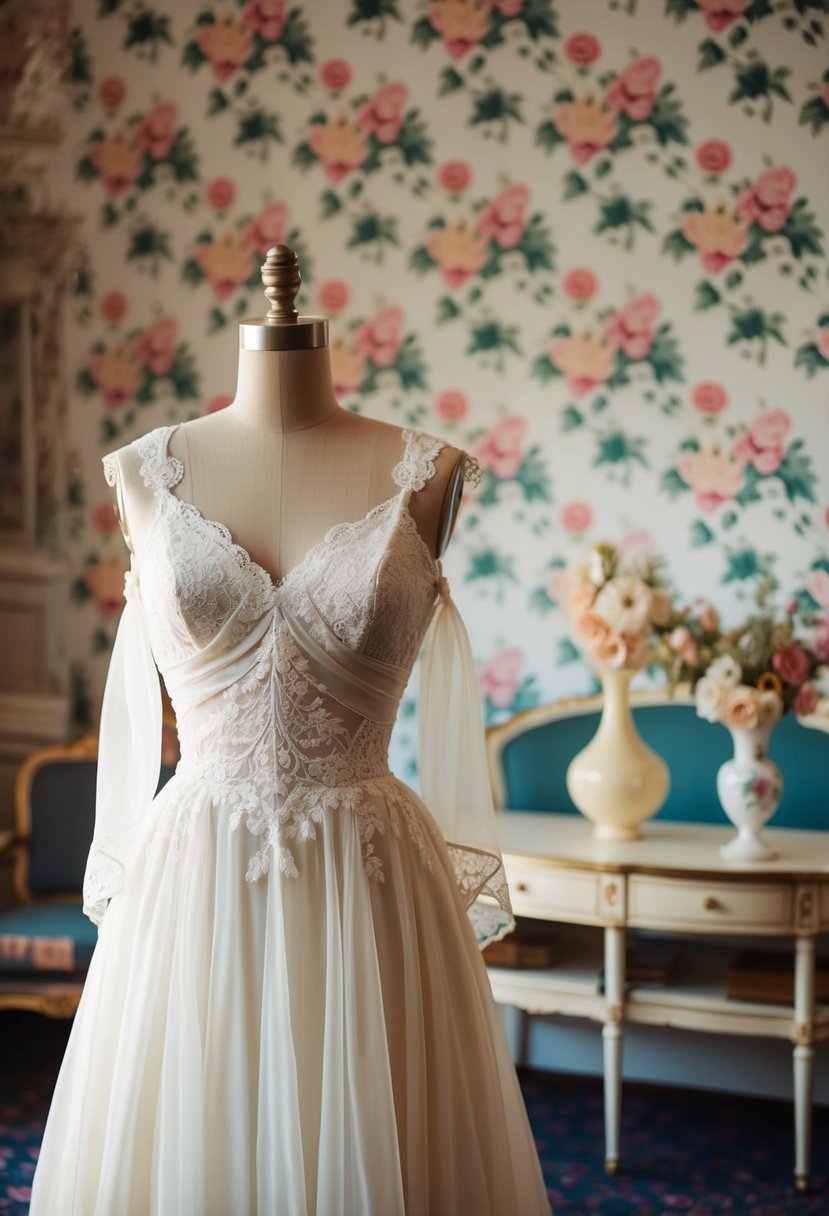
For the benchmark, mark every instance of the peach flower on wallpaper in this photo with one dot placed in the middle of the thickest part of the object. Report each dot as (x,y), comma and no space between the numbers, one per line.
(504,219)
(585,361)
(266,229)
(459,252)
(225,262)
(265,18)
(762,445)
(116,374)
(720,13)
(382,114)
(714,476)
(500,675)
(105,582)
(587,126)
(155,348)
(718,236)
(379,338)
(226,45)
(460,23)
(634,90)
(501,450)
(118,161)
(340,145)
(768,200)
(156,132)
(631,329)
(347,367)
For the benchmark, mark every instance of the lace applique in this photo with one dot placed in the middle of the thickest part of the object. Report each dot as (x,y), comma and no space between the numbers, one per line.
(418,463)
(471,469)
(110,468)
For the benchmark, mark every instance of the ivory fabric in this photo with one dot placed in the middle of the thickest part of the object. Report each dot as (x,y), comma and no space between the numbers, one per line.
(287,1012)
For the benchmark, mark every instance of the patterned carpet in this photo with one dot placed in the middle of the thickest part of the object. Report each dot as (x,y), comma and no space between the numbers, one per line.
(685,1153)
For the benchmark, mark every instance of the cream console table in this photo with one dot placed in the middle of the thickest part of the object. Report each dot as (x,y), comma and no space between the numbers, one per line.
(672,880)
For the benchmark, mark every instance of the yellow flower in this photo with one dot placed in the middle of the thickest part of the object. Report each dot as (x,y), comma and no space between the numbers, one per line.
(718,237)
(585,361)
(340,145)
(586,125)
(117,375)
(118,161)
(458,251)
(770,681)
(226,262)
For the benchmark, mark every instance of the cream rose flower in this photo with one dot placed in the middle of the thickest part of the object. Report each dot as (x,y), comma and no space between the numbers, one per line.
(625,603)
(725,670)
(709,694)
(770,706)
(611,651)
(741,707)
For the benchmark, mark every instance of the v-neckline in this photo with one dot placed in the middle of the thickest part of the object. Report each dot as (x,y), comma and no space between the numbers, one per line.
(243,556)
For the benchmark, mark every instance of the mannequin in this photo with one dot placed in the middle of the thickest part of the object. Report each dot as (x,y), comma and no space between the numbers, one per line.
(285,462)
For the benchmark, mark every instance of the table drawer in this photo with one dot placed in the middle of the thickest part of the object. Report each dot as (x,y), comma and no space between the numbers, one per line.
(556,894)
(678,903)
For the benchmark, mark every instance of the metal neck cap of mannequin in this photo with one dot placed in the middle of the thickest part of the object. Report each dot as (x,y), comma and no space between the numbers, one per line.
(282,328)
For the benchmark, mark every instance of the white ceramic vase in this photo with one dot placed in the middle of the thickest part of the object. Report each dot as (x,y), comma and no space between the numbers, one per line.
(749,788)
(617,781)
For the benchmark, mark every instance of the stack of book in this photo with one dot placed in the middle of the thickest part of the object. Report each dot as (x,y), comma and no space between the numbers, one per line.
(531,944)
(768,976)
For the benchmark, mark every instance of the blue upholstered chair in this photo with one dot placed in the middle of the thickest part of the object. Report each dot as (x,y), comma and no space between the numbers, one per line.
(46,942)
(529,755)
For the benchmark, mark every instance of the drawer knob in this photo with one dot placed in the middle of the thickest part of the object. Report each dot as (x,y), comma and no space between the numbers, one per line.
(712,904)
(521,886)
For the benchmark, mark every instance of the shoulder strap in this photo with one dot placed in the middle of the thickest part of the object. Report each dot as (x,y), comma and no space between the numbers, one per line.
(159,470)
(418,463)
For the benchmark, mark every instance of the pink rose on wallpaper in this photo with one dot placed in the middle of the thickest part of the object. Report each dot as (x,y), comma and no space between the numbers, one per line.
(382,114)
(226,263)
(576,516)
(103,517)
(586,125)
(501,450)
(767,202)
(805,702)
(585,361)
(720,13)
(265,18)
(347,368)
(459,252)
(105,582)
(713,156)
(634,89)
(820,642)
(582,49)
(791,664)
(580,284)
(718,237)
(507,8)
(335,74)
(500,675)
(763,443)
(226,45)
(340,145)
(631,328)
(452,403)
(709,397)
(266,229)
(111,92)
(219,402)
(220,193)
(116,374)
(114,306)
(379,339)
(117,160)
(713,476)
(460,23)
(504,219)
(819,590)
(333,295)
(454,176)
(156,347)
(823,341)
(156,132)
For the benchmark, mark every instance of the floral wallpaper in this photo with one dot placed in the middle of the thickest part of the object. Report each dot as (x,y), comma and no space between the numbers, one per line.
(586,242)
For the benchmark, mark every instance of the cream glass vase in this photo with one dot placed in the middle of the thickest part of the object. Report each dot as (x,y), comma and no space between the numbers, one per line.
(749,788)
(617,781)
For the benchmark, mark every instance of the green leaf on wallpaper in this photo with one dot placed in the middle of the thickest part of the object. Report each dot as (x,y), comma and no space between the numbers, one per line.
(754,80)
(797,474)
(810,359)
(84,382)
(489,563)
(664,356)
(216,320)
(413,140)
(86,170)
(423,32)
(543,369)
(737,36)
(148,243)
(539,18)
(303,156)
(370,10)
(547,136)
(191,272)
(701,534)
(676,245)
(754,324)
(618,211)
(667,119)
(193,57)
(107,7)
(679,9)
(495,105)
(568,652)
(539,601)
(672,484)
(421,260)
(144,26)
(410,364)
(729,519)
(450,81)
(801,231)
(216,101)
(749,490)
(534,478)
(527,696)
(705,296)
(329,204)
(536,246)
(183,377)
(575,184)
(814,114)
(182,157)
(492,335)
(615,447)
(296,39)
(258,126)
(571,418)
(373,229)
(710,54)
(447,309)
(743,564)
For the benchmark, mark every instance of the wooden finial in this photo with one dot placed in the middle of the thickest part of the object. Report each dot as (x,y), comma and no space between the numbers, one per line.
(280,274)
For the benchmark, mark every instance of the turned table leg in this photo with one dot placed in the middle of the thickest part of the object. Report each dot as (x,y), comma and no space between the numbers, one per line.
(804,1057)
(614,987)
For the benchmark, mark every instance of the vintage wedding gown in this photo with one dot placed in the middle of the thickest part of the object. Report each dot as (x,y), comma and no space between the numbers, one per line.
(287,1011)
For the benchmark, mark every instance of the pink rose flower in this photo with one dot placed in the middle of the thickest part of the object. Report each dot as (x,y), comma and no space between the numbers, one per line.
(507,8)
(114,306)
(156,347)
(335,74)
(103,517)
(111,92)
(631,328)
(501,450)
(219,402)
(791,664)
(576,516)
(709,397)
(820,644)
(823,341)
(333,295)
(720,13)
(634,89)
(382,115)
(265,18)
(767,202)
(452,403)
(499,676)
(762,444)
(580,283)
(806,700)
(819,589)
(454,176)
(220,193)
(713,156)
(156,132)
(582,49)
(504,219)
(379,339)
(266,229)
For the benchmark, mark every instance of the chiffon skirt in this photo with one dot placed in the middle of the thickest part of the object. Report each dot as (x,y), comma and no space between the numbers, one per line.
(326,1044)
